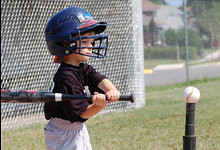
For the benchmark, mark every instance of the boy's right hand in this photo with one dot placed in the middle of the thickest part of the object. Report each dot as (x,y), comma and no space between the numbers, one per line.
(99,99)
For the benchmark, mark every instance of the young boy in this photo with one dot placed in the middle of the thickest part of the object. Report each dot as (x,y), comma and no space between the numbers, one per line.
(71,35)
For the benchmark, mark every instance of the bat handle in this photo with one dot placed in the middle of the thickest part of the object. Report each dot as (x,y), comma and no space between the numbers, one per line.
(127,98)
(122,98)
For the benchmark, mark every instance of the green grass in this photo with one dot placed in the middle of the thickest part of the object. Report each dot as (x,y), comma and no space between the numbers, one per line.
(159,125)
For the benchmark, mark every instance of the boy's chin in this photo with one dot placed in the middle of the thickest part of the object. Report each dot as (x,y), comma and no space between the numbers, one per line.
(85,59)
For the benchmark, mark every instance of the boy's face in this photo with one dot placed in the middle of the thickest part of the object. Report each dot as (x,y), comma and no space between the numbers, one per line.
(85,43)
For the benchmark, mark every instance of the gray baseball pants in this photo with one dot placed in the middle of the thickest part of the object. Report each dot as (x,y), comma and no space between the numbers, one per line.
(63,135)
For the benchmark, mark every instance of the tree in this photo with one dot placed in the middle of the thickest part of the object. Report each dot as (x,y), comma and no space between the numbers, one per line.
(171,37)
(174,38)
(207,14)
(159,2)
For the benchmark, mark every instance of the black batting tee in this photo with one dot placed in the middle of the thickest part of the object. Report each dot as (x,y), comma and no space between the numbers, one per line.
(72,80)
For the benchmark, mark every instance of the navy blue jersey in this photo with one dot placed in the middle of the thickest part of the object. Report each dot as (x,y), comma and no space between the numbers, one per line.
(72,80)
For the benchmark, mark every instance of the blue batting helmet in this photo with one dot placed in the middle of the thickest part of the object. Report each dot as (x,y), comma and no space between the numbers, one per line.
(71,21)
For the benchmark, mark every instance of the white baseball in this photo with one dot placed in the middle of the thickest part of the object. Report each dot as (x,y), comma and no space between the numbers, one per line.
(191,94)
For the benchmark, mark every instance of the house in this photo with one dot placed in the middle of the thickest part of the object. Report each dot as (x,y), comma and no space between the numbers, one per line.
(151,25)
(171,16)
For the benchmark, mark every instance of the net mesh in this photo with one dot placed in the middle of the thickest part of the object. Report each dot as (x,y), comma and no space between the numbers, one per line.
(27,65)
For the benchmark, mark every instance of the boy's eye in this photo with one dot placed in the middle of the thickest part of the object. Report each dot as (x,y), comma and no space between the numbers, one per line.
(88,42)
(84,42)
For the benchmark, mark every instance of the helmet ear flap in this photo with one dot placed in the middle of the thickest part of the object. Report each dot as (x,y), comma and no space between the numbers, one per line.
(62,44)
(68,47)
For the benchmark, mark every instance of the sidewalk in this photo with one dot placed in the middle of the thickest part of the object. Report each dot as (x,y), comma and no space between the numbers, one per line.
(210,57)
(169,66)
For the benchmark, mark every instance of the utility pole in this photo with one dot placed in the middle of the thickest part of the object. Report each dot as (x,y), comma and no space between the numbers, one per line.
(186,41)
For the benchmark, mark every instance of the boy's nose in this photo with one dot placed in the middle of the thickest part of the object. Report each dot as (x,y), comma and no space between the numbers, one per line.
(90,48)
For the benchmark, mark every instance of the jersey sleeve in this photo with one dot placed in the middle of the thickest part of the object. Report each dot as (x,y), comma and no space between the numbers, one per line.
(92,78)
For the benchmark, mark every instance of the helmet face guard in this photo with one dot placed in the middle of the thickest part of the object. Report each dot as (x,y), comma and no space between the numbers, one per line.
(99,46)
(75,21)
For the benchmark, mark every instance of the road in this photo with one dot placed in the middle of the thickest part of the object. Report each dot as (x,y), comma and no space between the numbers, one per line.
(166,75)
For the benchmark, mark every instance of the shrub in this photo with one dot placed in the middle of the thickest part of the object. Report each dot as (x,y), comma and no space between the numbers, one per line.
(169,53)
(192,51)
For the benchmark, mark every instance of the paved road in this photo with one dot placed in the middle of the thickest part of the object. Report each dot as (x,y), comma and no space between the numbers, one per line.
(177,75)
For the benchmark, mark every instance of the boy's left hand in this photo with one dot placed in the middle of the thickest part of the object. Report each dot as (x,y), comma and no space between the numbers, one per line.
(112,95)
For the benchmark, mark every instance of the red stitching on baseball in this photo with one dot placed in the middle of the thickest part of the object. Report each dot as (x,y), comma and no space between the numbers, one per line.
(187,98)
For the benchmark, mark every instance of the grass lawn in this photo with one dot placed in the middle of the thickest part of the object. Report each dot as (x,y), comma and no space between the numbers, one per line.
(159,125)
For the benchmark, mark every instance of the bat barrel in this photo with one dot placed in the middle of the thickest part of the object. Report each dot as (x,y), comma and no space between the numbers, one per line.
(27,96)
(34,96)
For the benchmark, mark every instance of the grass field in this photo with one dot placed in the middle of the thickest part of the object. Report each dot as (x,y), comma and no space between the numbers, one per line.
(159,125)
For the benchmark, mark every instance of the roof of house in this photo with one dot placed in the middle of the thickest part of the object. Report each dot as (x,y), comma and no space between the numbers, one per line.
(171,16)
(147,5)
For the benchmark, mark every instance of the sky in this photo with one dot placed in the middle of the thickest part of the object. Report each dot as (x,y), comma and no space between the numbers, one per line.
(176,3)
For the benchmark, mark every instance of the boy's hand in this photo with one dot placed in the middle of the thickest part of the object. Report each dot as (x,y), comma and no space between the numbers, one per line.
(99,99)
(112,95)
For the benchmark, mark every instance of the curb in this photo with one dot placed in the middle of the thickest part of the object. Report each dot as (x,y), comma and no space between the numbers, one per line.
(148,71)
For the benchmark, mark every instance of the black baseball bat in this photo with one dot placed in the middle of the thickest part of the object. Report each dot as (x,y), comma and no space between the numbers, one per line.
(38,96)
